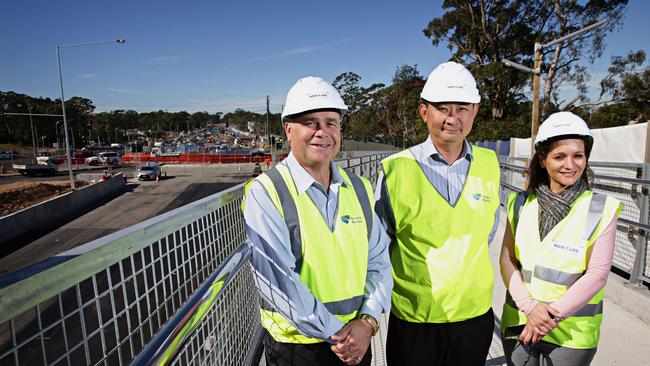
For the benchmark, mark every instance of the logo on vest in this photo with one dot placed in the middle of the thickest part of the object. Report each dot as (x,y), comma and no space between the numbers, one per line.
(481,197)
(347,219)
(567,249)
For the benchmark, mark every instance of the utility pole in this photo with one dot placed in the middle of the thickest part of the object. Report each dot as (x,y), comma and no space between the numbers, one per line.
(534,122)
(268,135)
(536,71)
(33,135)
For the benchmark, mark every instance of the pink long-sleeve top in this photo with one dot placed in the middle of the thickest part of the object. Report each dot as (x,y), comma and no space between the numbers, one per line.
(595,277)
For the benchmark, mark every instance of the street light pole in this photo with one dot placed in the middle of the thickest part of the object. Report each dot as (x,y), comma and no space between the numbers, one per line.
(65,119)
(268,135)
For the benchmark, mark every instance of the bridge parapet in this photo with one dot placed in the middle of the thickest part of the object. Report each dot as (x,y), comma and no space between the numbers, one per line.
(173,289)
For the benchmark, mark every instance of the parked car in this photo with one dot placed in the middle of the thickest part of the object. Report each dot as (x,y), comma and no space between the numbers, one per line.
(107,157)
(259,153)
(8,155)
(149,171)
(93,160)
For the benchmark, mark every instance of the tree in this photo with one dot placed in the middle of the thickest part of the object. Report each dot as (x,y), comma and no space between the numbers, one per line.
(616,114)
(611,86)
(481,33)
(559,18)
(636,93)
(361,116)
(400,118)
(348,86)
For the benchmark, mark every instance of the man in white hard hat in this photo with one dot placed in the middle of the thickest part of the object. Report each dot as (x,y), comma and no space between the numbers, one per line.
(438,201)
(320,254)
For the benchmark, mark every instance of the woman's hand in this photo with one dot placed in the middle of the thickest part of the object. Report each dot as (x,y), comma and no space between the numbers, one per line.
(543,318)
(530,335)
(541,321)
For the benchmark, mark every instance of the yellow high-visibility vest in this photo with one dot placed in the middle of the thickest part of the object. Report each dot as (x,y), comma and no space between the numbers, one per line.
(332,264)
(441,267)
(550,266)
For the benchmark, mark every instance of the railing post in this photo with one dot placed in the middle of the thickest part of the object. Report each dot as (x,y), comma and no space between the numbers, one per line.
(641,242)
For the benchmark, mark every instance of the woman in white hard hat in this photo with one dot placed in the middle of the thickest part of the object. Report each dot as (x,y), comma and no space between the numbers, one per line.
(557,252)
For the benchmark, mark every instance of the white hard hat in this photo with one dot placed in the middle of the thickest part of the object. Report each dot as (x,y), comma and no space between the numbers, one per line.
(310,93)
(450,82)
(563,124)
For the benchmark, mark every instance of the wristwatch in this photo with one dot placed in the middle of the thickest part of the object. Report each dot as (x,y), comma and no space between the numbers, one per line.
(372,321)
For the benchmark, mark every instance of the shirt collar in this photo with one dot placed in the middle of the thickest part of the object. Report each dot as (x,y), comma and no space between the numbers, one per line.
(430,149)
(304,180)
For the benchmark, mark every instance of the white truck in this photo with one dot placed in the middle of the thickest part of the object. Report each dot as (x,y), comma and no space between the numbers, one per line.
(44,166)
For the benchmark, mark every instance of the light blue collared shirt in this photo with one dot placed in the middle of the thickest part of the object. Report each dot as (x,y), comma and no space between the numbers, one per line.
(274,264)
(447,179)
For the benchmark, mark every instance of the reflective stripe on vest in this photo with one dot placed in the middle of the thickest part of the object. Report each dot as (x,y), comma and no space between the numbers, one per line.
(290,215)
(551,266)
(291,212)
(441,266)
(595,212)
(332,264)
(587,310)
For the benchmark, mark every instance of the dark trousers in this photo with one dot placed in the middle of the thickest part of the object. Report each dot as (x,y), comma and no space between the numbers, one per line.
(317,354)
(545,353)
(463,343)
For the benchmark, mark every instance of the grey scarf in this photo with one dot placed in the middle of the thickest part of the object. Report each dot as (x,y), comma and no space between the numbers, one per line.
(554,207)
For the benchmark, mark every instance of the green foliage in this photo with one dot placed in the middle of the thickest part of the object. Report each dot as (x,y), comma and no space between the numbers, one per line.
(516,125)
(399,118)
(17,129)
(636,93)
(481,33)
(84,124)
(363,109)
(611,115)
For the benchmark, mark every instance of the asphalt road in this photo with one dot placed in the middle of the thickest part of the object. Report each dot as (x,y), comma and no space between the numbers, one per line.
(142,200)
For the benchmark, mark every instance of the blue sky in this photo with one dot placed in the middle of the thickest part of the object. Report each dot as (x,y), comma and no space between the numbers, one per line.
(216,55)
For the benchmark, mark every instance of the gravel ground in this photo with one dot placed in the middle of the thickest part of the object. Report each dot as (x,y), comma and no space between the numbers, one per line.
(19,195)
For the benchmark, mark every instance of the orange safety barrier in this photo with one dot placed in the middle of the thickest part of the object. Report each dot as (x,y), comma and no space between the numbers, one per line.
(197,158)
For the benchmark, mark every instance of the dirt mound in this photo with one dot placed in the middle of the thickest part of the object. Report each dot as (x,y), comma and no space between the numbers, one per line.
(17,196)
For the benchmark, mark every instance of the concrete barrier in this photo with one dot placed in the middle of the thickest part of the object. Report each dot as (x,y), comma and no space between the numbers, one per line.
(58,210)
(635,300)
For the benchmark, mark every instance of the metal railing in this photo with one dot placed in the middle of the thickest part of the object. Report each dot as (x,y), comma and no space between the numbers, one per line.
(168,290)
(630,183)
